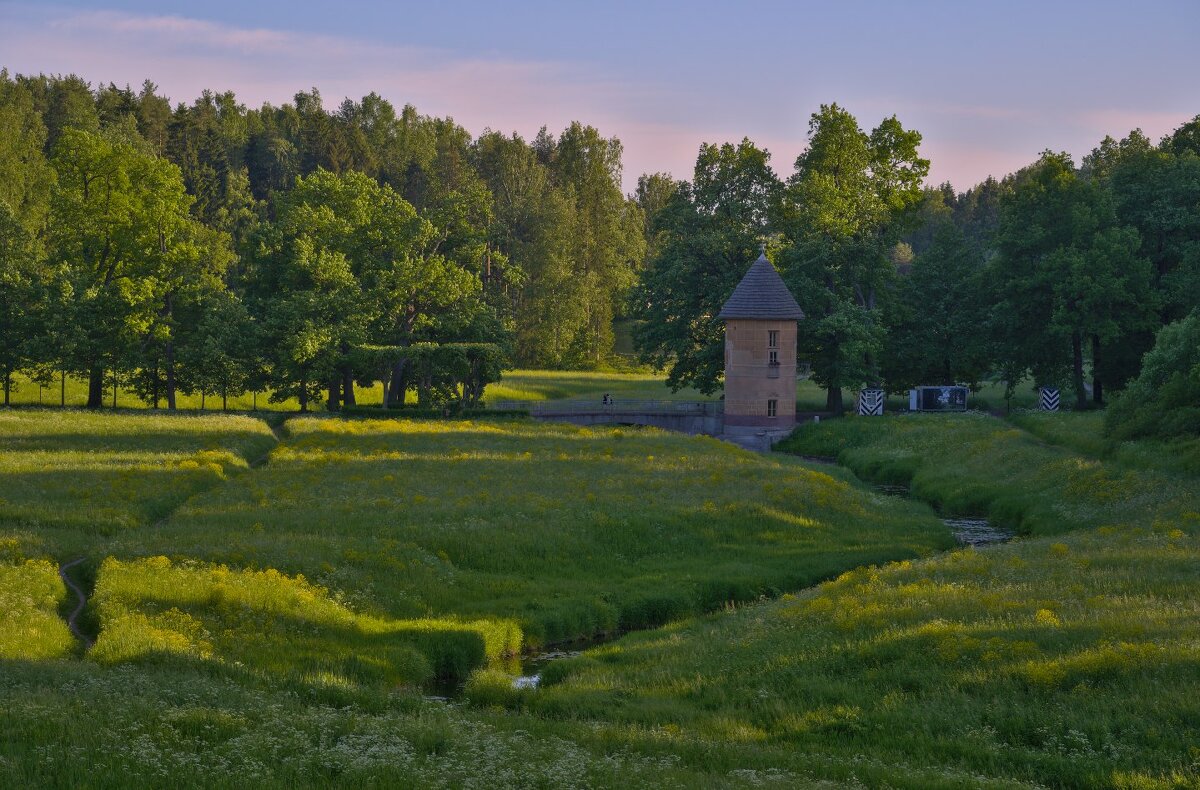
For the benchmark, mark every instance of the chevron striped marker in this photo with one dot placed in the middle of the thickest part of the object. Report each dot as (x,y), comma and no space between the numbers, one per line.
(1050,398)
(870,403)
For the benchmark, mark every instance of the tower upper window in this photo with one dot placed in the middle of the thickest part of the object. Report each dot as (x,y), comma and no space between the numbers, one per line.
(773,338)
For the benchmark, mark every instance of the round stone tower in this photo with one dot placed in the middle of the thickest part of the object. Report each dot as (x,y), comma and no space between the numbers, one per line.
(760,353)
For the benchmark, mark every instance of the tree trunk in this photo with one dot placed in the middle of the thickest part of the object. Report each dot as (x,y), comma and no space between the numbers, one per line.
(335,387)
(203,395)
(833,401)
(348,387)
(95,388)
(224,398)
(303,392)
(116,383)
(1097,385)
(399,388)
(62,392)
(1077,370)
(7,387)
(171,375)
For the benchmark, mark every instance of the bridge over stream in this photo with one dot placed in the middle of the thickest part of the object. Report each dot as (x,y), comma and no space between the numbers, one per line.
(685,416)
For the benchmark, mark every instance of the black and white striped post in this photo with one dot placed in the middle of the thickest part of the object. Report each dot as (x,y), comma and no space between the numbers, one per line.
(870,403)
(1050,397)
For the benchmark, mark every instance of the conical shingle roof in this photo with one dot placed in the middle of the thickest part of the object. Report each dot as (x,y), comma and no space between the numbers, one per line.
(761,294)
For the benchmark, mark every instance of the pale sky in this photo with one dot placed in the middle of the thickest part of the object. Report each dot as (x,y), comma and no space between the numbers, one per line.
(989,85)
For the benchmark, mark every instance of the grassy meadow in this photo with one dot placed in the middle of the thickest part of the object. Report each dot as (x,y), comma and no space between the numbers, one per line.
(73,480)
(524,385)
(572,532)
(31,598)
(271,606)
(973,464)
(1066,661)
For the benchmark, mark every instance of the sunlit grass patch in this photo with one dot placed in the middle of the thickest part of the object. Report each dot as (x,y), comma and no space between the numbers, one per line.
(539,385)
(88,474)
(277,626)
(73,393)
(30,626)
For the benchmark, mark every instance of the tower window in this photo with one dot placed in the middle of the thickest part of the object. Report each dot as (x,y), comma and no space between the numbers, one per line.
(772,407)
(773,338)
(773,357)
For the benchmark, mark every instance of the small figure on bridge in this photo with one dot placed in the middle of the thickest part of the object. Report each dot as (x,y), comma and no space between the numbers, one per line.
(607,399)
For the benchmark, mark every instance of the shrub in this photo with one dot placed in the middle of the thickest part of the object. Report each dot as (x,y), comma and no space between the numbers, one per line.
(1164,400)
(491,687)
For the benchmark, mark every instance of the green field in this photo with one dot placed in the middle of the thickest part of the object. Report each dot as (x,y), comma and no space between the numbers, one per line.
(524,385)
(1068,660)
(270,607)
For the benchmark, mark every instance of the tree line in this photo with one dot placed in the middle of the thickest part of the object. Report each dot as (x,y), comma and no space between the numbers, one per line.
(210,248)
(1056,275)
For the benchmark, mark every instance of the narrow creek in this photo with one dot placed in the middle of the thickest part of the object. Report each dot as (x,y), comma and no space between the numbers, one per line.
(967,531)
(528,667)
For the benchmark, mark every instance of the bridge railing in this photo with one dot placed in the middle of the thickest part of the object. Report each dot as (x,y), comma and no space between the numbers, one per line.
(614,406)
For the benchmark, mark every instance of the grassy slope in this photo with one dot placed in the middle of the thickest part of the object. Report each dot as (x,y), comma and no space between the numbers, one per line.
(71,481)
(971,464)
(571,530)
(276,626)
(1084,433)
(1067,660)
(30,626)
(244,676)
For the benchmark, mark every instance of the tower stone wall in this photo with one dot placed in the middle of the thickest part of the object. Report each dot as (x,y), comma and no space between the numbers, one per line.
(752,382)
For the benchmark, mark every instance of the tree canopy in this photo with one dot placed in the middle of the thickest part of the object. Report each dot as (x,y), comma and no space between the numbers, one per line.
(208,248)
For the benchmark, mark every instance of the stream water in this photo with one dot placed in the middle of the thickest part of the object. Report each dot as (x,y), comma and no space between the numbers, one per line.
(531,666)
(968,531)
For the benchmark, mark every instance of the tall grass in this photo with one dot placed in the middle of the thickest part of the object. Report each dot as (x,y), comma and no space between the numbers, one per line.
(1084,433)
(571,531)
(1067,660)
(72,480)
(279,627)
(972,464)
(295,606)
(30,627)
(81,725)
(1063,662)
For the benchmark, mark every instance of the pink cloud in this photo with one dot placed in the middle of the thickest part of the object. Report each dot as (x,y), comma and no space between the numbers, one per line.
(661,127)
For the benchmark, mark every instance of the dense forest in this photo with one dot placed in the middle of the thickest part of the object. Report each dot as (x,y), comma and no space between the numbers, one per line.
(208,247)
